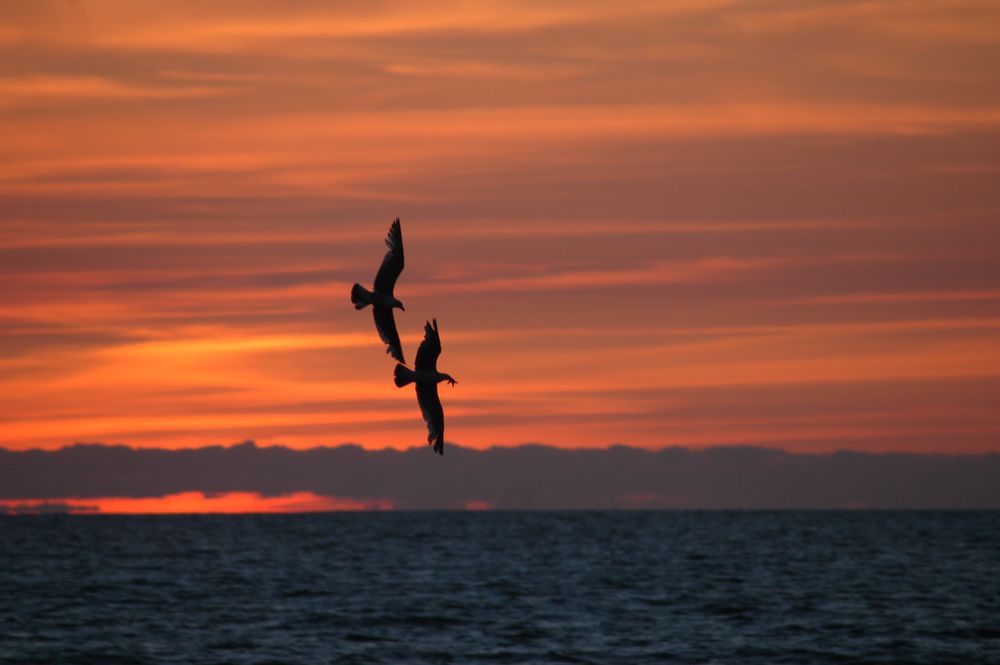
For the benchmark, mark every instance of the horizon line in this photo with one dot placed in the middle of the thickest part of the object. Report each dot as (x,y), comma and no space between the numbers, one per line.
(251,443)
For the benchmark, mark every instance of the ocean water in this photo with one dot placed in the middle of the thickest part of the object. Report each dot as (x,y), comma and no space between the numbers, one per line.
(494,587)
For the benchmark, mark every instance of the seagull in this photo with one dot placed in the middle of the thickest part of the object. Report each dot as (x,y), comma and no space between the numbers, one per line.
(381,298)
(427,377)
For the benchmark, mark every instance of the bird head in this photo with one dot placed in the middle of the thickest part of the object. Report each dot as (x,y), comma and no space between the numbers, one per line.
(397,303)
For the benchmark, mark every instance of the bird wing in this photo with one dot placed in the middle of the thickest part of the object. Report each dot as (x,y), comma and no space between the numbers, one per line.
(430,407)
(429,350)
(385,324)
(392,262)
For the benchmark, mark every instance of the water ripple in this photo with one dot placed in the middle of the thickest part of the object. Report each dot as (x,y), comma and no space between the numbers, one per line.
(570,587)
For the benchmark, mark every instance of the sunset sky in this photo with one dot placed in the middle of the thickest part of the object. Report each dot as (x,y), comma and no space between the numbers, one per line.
(688,223)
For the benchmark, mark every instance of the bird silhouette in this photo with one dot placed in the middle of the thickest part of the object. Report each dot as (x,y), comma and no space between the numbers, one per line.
(381,298)
(427,377)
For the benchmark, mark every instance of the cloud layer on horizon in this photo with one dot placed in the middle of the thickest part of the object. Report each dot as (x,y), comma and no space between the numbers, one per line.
(523,477)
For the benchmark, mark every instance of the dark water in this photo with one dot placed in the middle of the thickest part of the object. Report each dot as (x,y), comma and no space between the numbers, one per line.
(601,587)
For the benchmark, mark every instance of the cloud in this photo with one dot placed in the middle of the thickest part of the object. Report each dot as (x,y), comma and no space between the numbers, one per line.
(912,296)
(30,90)
(527,476)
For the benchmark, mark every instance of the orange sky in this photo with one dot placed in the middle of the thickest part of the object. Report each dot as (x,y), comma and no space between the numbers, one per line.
(680,223)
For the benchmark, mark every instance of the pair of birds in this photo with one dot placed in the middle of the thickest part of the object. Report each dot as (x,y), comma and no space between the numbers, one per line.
(425,374)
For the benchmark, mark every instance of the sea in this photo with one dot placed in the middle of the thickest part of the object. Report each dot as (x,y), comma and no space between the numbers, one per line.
(502,587)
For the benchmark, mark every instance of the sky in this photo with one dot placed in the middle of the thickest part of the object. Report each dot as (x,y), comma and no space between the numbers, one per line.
(663,223)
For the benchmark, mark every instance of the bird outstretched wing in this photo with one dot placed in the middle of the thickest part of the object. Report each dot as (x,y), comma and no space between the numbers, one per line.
(429,350)
(392,262)
(430,407)
(385,324)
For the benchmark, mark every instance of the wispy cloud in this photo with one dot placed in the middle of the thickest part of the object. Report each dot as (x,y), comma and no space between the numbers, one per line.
(902,296)
(27,90)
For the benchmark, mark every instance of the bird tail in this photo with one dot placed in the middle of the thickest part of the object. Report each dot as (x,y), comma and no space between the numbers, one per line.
(360,296)
(402,376)
(439,445)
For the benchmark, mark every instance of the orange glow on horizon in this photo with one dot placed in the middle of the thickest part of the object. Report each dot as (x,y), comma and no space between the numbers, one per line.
(196,503)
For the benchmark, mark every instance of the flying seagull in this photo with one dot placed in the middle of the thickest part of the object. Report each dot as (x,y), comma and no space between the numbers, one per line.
(427,377)
(381,298)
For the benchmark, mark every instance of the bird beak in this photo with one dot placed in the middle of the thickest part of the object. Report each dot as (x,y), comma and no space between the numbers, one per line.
(402,309)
